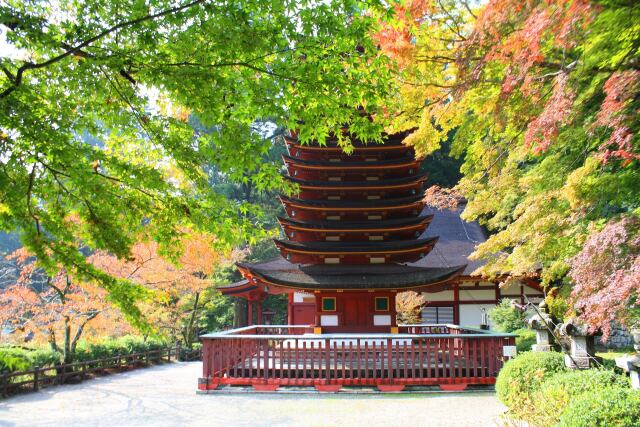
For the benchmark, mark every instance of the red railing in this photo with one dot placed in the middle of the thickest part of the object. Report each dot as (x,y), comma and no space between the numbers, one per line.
(268,357)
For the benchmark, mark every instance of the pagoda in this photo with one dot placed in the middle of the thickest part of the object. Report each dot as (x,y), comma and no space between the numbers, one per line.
(351,235)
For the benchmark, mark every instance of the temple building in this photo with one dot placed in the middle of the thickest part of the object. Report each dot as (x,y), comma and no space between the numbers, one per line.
(357,234)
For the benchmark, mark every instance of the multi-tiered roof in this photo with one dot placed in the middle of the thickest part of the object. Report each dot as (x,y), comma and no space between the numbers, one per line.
(355,223)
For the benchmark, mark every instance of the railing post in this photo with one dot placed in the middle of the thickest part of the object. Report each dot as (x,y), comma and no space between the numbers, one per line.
(327,360)
(36,378)
(5,384)
(177,351)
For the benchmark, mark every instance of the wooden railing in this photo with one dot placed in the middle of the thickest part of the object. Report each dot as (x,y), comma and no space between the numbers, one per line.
(268,357)
(37,378)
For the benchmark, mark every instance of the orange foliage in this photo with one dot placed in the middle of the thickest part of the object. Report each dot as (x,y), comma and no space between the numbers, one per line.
(41,308)
(170,282)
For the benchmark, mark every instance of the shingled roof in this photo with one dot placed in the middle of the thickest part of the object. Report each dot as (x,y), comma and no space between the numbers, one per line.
(458,240)
(385,276)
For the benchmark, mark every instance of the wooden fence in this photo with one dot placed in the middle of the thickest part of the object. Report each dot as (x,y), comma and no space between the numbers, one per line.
(37,378)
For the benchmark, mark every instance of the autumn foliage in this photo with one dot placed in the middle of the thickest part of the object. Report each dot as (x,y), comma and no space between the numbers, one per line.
(607,276)
(541,100)
(58,310)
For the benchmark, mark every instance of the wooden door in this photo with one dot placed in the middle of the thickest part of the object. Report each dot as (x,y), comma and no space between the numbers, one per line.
(356,312)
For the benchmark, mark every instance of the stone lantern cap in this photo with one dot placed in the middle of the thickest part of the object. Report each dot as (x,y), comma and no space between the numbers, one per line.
(541,319)
(575,328)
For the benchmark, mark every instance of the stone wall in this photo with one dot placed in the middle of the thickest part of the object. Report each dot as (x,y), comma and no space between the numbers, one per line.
(619,338)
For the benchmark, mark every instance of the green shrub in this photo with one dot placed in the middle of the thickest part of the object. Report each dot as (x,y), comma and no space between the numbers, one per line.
(607,407)
(560,390)
(522,376)
(507,318)
(44,357)
(525,339)
(113,347)
(14,359)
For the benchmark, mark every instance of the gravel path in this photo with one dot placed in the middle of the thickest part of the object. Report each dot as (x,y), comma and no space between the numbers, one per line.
(165,396)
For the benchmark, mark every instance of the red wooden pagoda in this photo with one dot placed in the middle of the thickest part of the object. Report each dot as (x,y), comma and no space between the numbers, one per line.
(350,232)
(352,237)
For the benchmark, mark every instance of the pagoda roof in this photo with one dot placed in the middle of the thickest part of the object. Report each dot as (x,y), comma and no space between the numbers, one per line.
(356,149)
(377,204)
(280,272)
(340,165)
(357,225)
(367,247)
(393,182)
(388,140)
(240,287)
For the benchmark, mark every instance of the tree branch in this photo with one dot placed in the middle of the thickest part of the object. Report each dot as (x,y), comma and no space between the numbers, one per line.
(75,49)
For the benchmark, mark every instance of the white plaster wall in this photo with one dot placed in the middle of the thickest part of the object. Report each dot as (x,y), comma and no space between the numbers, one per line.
(471,314)
(438,296)
(477,294)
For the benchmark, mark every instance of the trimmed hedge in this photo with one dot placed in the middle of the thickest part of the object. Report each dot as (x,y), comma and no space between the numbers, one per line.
(14,359)
(559,391)
(607,407)
(523,376)
(113,347)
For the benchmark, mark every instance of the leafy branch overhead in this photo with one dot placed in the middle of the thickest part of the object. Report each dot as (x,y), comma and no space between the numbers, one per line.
(98,147)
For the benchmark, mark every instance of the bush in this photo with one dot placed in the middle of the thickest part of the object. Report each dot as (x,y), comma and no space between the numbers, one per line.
(610,406)
(525,339)
(560,390)
(522,376)
(13,359)
(113,347)
(507,318)
(44,357)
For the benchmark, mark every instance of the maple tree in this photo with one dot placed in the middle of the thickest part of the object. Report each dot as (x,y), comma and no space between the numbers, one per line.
(178,290)
(57,309)
(606,273)
(540,99)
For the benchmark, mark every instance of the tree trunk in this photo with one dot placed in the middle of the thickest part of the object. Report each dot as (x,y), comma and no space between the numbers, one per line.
(189,330)
(66,352)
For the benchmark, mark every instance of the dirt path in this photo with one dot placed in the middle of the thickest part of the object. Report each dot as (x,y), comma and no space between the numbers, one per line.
(165,396)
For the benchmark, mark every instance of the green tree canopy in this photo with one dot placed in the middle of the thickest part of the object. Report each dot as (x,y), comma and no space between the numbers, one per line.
(95,145)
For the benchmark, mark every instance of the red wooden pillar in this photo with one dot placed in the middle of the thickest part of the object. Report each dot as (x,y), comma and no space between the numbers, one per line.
(250,313)
(392,308)
(259,312)
(318,309)
(456,303)
(290,319)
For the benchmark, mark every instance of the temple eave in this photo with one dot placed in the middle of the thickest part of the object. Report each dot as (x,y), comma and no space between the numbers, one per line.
(298,279)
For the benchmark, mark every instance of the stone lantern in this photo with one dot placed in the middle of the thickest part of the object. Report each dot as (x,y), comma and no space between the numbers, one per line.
(631,362)
(541,323)
(583,352)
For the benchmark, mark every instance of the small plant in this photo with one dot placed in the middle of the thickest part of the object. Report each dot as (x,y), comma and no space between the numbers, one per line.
(606,407)
(506,317)
(523,376)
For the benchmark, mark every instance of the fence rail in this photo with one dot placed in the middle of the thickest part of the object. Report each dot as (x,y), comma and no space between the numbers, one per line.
(423,355)
(37,378)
